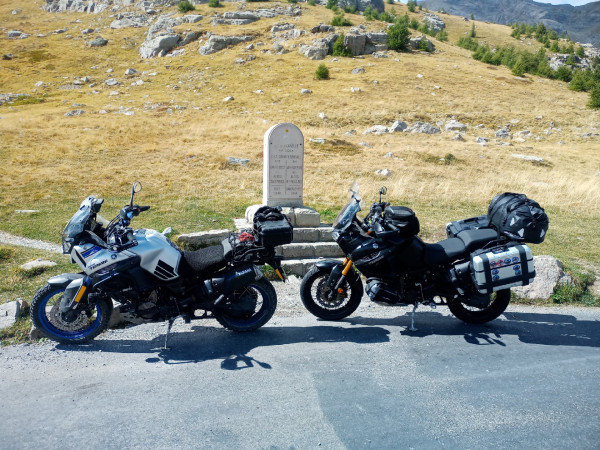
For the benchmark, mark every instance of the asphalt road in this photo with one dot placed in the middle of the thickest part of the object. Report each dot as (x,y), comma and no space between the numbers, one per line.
(529,379)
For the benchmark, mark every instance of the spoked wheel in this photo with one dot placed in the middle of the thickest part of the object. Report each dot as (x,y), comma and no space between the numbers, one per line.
(472,314)
(45,315)
(326,303)
(249,308)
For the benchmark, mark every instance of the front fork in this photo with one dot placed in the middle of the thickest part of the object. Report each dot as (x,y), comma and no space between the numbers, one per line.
(71,303)
(338,275)
(276,264)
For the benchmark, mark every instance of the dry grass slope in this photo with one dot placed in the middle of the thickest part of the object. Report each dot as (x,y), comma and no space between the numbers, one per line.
(178,140)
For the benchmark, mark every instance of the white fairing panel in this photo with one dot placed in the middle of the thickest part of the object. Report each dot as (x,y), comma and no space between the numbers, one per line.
(92,258)
(158,255)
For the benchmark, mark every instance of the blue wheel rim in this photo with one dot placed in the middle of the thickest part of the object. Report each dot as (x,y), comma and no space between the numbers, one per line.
(66,334)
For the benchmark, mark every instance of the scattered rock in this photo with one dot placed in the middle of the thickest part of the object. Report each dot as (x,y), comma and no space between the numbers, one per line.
(38,264)
(415,43)
(398,126)
(317,140)
(131,71)
(503,133)
(354,89)
(322,116)
(323,28)
(7,56)
(16,34)
(98,42)
(228,99)
(423,127)
(384,173)
(482,141)
(76,112)
(87,31)
(358,70)
(10,312)
(111,82)
(377,129)
(458,137)
(237,161)
(305,91)
(528,157)
(455,125)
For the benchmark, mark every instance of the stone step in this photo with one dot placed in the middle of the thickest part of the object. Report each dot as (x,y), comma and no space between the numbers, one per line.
(299,267)
(309,250)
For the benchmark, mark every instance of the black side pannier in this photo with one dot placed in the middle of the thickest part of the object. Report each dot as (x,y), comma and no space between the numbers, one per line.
(271,227)
(402,218)
(518,217)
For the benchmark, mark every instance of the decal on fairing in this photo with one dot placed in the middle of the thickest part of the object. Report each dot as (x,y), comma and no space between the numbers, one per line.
(91,251)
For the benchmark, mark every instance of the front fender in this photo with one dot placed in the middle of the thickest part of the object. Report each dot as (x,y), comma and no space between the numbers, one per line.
(63,280)
(328,264)
(334,267)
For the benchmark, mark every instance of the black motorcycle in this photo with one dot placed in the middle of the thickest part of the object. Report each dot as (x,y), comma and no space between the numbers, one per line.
(153,279)
(471,272)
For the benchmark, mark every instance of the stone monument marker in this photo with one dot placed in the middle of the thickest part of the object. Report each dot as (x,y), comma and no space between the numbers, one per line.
(283,166)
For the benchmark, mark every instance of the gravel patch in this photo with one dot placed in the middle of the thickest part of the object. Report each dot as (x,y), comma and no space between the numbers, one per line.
(6,238)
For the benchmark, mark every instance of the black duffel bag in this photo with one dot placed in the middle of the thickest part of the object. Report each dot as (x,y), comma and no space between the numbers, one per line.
(518,217)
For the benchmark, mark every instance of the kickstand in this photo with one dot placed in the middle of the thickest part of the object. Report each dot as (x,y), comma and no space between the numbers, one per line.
(185,317)
(412,318)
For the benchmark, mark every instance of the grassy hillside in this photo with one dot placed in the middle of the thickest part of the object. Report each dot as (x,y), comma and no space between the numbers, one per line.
(181,132)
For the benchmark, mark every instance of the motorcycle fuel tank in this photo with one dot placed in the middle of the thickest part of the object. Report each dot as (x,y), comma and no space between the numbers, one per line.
(159,256)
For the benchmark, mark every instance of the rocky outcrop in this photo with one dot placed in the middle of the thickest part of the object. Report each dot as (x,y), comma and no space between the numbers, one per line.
(358,42)
(236,18)
(415,43)
(433,22)
(361,5)
(216,43)
(159,45)
(320,48)
(423,127)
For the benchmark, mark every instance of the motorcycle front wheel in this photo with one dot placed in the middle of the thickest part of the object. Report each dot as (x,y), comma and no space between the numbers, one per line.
(45,315)
(471,314)
(249,308)
(325,303)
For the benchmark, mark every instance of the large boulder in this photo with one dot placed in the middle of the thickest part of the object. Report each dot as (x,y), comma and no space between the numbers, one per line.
(355,43)
(236,18)
(216,43)
(415,43)
(159,46)
(422,127)
(549,273)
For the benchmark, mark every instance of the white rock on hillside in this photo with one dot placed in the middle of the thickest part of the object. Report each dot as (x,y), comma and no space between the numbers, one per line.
(549,273)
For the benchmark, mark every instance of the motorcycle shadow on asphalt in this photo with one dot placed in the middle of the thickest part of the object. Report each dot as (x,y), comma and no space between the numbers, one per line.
(529,328)
(205,343)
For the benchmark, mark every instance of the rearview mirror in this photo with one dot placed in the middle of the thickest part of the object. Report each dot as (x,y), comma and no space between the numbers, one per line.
(135,188)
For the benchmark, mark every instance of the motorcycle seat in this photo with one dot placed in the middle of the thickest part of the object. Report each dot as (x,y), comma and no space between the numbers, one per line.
(209,258)
(475,239)
(444,252)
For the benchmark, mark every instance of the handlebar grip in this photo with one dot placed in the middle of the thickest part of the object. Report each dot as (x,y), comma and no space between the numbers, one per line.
(143,208)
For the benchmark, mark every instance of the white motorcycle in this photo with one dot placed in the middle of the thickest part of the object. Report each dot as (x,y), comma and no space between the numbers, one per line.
(153,279)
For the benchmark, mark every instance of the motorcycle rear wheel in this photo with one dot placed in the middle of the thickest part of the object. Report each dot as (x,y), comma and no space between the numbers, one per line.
(471,314)
(320,301)
(249,308)
(45,315)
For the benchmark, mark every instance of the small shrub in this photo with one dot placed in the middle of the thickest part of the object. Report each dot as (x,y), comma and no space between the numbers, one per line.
(580,52)
(398,37)
(331,4)
(594,102)
(215,4)
(519,68)
(412,4)
(339,48)
(442,36)
(340,21)
(424,45)
(564,73)
(185,6)
(322,72)
(312,2)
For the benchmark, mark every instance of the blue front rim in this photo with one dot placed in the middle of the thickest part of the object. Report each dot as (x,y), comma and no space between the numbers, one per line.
(66,334)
